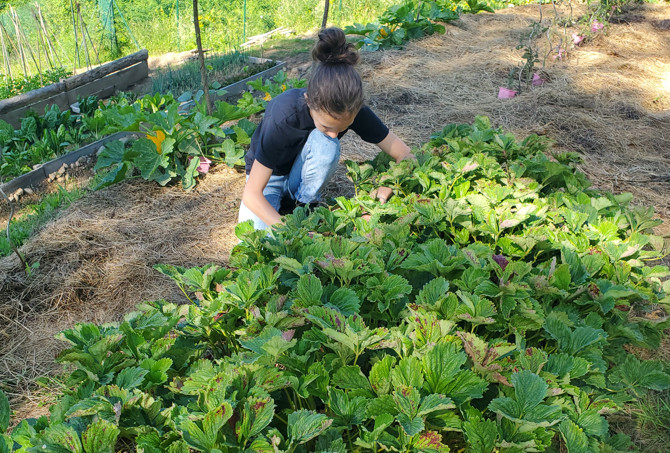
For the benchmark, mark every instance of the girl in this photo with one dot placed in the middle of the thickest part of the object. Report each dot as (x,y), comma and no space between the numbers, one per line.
(296,148)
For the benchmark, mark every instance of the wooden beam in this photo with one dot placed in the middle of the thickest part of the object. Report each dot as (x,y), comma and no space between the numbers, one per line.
(105,69)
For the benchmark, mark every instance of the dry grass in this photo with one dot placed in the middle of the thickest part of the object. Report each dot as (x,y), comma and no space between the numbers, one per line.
(606,100)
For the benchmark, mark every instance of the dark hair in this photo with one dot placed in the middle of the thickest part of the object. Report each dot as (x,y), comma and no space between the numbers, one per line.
(335,86)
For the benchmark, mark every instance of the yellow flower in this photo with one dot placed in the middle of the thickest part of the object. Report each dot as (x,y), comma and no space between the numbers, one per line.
(383,32)
(267,97)
(158,140)
(283,87)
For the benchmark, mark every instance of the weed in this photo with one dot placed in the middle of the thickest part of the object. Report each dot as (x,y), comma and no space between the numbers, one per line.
(34,216)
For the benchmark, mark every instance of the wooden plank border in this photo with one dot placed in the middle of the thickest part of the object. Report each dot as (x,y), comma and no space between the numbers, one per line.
(103,80)
(35,177)
(240,86)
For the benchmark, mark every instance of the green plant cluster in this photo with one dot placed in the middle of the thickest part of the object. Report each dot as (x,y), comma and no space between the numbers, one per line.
(484,307)
(44,137)
(41,138)
(10,87)
(411,20)
(178,142)
(222,70)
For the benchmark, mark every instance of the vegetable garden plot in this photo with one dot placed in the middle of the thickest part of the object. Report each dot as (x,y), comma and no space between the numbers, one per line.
(414,114)
(485,305)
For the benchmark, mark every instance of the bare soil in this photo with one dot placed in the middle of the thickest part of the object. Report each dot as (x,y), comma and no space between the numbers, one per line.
(609,100)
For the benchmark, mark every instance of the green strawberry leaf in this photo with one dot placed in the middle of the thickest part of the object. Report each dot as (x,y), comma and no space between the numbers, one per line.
(100,437)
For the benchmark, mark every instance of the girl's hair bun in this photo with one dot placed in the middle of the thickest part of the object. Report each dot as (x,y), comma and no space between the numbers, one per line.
(332,48)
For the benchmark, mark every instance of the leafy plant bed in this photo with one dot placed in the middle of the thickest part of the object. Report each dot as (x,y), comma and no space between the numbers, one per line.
(44,137)
(13,86)
(222,70)
(485,306)
(36,176)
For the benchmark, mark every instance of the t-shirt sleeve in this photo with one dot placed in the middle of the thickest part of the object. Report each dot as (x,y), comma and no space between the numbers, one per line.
(368,126)
(276,145)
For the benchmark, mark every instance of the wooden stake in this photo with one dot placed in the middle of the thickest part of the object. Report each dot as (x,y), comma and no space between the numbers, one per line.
(42,40)
(30,49)
(18,40)
(49,40)
(88,35)
(77,60)
(83,37)
(5,54)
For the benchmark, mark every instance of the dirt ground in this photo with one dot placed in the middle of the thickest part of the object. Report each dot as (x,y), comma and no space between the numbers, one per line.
(609,100)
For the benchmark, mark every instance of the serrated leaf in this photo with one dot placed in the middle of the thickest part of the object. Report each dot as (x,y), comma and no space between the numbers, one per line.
(411,426)
(380,375)
(258,413)
(384,404)
(593,423)
(100,437)
(348,410)
(506,407)
(440,365)
(131,377)
(529,388)
(346,301)
(433,403)
(407,373)
(308,289)
(480,434)
(575,439)
(304,425)
(60,438)
(351,377)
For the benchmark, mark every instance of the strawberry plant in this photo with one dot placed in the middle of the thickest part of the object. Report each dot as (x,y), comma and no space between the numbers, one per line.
(484,307)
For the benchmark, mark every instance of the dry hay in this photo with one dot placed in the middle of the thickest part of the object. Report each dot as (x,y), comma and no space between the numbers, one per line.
(605,100)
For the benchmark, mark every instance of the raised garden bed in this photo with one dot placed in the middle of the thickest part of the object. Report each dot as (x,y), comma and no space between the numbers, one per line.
(36,176)
(102,82)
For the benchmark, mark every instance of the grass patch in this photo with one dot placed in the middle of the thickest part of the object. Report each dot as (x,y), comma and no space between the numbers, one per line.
(280,48)
(652,414)
(34,216)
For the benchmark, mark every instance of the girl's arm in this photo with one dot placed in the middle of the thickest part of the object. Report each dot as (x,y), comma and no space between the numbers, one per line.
(396,148)
(253,196)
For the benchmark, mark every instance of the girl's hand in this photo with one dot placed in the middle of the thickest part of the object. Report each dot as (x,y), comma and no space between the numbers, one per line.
(382,194)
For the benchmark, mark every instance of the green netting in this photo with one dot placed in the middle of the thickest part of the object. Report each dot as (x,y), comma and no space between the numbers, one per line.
(107,21)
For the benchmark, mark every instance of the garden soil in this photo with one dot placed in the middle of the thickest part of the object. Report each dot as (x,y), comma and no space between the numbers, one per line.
(607,99)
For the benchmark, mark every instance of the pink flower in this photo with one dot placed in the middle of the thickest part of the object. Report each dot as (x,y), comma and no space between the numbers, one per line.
(204,165)
(506,93)
(537,80)
(596,26)
(559,54)
(577,39)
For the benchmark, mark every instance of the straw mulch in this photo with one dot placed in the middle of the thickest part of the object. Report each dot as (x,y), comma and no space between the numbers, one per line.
(606,100)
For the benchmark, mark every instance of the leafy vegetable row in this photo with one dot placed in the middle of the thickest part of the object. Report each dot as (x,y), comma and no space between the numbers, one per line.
(190,134)
(484,307)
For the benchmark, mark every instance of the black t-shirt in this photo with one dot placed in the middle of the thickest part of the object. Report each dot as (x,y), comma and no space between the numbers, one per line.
(286,125)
